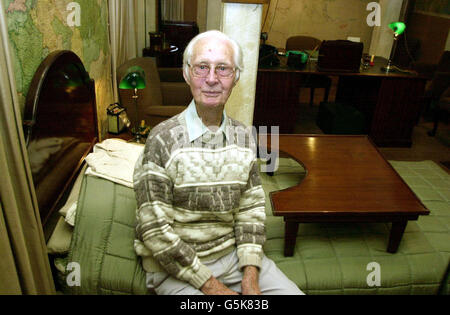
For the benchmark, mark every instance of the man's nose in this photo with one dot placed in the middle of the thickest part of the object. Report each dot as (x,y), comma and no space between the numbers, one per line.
(212,76)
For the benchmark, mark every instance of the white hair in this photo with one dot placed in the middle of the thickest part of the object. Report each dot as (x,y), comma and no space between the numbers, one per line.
(237,52)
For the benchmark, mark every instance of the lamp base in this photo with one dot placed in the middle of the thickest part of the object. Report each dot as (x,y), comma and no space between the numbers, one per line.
(388,68)
(137,139)
(140,133)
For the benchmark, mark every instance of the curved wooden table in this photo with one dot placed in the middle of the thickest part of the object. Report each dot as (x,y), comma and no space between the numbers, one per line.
(347,180)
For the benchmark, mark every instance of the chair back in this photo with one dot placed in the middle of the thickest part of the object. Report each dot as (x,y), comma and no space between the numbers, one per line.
(302,43)
(441,78)
(444,62)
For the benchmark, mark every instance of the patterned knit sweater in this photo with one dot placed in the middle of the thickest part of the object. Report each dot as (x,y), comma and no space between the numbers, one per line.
(198,200)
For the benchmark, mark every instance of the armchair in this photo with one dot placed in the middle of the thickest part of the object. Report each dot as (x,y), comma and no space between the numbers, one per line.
(159,100)
(428,70)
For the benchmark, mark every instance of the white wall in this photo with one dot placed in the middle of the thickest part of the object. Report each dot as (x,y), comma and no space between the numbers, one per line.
(242,22)
(214,15)
(202,13)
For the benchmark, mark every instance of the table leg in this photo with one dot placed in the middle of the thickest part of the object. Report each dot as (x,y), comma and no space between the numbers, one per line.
(398,227)
(290,237)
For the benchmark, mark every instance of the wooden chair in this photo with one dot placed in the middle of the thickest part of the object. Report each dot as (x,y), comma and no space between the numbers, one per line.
(312,81)
(159,100)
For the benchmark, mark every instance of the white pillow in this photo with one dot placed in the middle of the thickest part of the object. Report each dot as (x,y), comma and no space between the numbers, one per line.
(71,213)
(59,242)
(72,200)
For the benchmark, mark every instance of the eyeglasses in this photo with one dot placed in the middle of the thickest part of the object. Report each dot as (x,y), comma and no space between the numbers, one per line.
(202,70)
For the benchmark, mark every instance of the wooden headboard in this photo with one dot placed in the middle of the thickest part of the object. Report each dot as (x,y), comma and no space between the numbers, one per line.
(60,126)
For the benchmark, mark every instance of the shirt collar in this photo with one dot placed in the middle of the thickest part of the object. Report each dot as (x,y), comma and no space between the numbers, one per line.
(195,126)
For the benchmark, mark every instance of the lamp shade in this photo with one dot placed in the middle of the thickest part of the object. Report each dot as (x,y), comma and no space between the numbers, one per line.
(397,27)
(133,79)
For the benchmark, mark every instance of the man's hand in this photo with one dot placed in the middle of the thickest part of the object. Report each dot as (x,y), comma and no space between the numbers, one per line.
(214,287)
(250,281)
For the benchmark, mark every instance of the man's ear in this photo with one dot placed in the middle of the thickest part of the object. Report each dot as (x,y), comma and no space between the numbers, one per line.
(186,78)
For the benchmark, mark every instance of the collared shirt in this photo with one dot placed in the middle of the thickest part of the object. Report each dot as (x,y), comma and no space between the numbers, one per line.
(195,126)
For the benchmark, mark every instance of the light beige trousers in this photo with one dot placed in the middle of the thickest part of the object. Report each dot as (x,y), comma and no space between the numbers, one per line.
(272,280)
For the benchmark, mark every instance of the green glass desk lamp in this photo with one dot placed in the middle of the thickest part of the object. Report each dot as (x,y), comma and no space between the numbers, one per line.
(398,28)
(134,79)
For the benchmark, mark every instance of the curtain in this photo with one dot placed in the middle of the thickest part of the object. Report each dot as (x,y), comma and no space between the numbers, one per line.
(24,264)
(172,10)
(124,33)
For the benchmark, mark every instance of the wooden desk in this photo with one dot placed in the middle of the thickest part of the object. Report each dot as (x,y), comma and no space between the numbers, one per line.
(347,180)
(390,102)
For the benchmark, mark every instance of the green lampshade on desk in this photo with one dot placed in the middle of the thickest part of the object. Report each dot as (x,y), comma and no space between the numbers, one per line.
(134,79)
(398,28)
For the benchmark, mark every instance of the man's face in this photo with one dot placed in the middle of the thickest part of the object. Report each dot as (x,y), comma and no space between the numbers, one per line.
(213,90)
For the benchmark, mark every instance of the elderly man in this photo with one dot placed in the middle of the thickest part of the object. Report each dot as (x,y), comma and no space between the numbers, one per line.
(200,217)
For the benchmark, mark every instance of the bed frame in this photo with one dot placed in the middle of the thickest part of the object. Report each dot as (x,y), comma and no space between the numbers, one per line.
(60,104)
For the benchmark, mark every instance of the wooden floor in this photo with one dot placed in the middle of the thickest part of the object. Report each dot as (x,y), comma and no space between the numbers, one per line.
(424,147)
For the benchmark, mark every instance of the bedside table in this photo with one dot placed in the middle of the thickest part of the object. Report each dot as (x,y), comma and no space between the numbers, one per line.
(124,135)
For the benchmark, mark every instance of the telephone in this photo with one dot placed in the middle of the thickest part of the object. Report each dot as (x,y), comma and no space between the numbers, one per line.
(268,56)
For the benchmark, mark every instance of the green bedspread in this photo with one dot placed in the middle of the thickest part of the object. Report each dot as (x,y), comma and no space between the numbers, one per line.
(329,258)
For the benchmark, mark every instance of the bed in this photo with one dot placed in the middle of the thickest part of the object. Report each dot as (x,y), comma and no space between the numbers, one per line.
(91,244)
(329,258)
